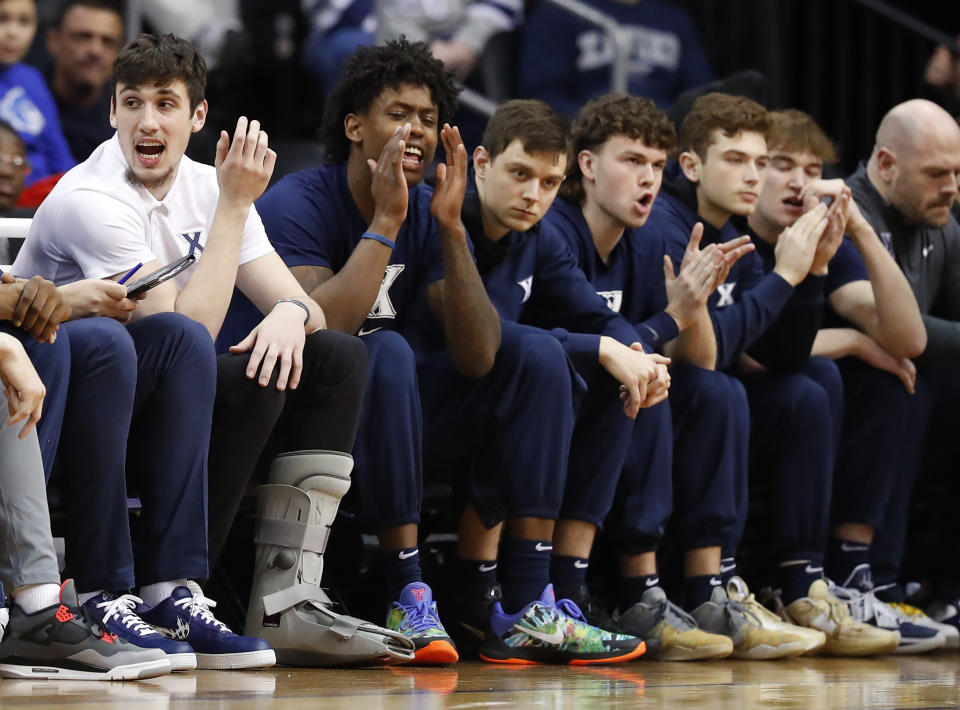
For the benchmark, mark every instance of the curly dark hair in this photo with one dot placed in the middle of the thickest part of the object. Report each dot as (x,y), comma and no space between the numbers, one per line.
(371,70)
(728,114)
(614,115)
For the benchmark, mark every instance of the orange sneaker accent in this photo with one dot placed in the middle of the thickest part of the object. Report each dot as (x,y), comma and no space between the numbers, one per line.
(436,653)
(63,614)
(511,661)
(635,653)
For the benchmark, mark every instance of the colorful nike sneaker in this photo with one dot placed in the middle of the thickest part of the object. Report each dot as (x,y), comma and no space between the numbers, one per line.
(185,616)
(670,633)
(63,642)
(414,615)
(118,616)
(845,635)
(752,639)
(547,631)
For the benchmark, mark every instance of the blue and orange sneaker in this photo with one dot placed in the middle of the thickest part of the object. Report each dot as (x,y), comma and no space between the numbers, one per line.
(185,615)
(119,617)
(415,616)
(547,631)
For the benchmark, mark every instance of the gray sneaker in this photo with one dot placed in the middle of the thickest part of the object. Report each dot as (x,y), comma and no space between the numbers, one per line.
(670,633)
(61,642)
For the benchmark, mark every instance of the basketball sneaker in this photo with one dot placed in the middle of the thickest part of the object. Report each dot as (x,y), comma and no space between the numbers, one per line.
(845,635)
(118,616)
(593,610)
(547,631)
(946,613)
(185,616)
(865,607)
(670,633)
(414,615)
(62,642)
(753,636)
(473,607)
(950,633)
(737,591)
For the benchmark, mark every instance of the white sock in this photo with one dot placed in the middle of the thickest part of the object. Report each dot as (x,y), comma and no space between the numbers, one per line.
(35,597)
(84,597)
(153,594)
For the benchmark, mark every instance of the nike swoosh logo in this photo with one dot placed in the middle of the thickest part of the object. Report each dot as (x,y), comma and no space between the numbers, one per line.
(407,555)
(652,582)
(853,548)
(927,250)
(715,581)
(581,565)
(727,568)
(487,568)
(365,331)
(540,547)
(813,570)
(554,639)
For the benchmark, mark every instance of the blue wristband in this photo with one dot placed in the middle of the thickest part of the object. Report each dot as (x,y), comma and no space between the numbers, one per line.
(379,238)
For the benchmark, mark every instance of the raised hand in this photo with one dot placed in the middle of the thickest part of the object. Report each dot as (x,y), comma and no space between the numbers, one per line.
(389,185)
(451,180)
(797,244)
(244,166)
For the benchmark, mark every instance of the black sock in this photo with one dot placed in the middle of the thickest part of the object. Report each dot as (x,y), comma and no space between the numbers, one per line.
(795,579)
(697,590)
(477,574)
(568,572)
(848,564)
(524,572)
(728,568)
(400,568)
(633,588)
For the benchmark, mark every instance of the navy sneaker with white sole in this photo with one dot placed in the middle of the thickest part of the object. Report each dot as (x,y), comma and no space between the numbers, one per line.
(185,616)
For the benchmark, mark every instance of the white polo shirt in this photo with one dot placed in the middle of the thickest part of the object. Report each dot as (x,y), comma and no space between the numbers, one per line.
(94,223)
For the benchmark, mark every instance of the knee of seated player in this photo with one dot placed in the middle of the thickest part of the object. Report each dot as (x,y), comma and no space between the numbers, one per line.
(536,353)
(334,359)
(805,401)
(825,372)
(391,362)
(102,344)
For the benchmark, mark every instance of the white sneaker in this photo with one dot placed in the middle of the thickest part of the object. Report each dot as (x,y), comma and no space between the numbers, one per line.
(916,616)
(864,606)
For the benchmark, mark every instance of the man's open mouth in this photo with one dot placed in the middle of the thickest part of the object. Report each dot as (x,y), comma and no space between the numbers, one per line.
(412,157)
(149,151)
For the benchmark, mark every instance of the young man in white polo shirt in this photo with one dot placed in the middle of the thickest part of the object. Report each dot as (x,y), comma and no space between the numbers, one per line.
(138,200)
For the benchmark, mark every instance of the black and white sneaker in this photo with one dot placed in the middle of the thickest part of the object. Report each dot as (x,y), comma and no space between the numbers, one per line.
(62,642)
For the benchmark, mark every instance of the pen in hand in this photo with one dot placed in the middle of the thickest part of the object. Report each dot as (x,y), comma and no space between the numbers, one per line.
(130,273)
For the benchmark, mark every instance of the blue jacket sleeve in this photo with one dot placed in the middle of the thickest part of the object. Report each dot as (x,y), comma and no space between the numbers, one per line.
(738,325)
(786,345)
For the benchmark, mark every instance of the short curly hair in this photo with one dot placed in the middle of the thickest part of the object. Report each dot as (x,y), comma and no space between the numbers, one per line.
(370,71)
(614,115)
(729,114)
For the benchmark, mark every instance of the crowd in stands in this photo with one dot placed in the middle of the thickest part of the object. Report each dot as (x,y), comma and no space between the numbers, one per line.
(612,332)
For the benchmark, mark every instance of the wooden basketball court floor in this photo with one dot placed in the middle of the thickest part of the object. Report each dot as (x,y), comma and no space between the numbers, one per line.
(928,681)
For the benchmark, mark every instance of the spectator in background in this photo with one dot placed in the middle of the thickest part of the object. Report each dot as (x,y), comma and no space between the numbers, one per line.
(337,28)
(84,42)
(568,61)
(942,78)
(25,101)
(13,169)
(456,30)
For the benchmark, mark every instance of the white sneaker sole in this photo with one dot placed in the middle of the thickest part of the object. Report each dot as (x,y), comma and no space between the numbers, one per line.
(132,671)
(930,644)
(236,661)
(182,661)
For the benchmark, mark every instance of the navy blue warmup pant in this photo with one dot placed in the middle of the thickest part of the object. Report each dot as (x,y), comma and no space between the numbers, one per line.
(52,363)
(509,431)
(868,466)
(792,447)
(139,407)
(927,436)
(388,464)
(688,459)
(601,438)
